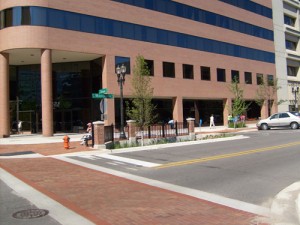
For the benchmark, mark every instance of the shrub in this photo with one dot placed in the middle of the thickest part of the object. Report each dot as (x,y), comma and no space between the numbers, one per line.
(237,125)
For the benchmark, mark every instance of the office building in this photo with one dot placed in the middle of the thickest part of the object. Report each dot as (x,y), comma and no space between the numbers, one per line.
(286,36)
(55,54)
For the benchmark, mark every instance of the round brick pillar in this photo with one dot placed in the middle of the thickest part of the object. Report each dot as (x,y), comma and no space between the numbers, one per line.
(46,85)
(4,96)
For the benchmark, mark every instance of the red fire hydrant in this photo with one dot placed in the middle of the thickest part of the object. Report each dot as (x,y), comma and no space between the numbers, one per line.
(66,142)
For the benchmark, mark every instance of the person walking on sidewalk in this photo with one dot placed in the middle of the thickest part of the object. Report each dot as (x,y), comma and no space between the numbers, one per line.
(211,121)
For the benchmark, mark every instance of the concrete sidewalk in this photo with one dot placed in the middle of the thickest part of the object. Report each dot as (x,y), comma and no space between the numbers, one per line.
(103,198)
(16,139)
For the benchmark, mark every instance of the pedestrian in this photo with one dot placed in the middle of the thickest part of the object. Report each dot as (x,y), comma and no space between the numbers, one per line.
(171,123)
(243,118)
(229,119)
(87,136)
(20,127)
(211,121)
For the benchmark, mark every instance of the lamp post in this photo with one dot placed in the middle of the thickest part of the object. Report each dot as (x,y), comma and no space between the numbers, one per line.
(121,72)
(295,91)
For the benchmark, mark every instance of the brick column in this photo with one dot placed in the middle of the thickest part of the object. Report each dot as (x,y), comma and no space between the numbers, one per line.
(47,99)
(99,134)
(4,96)
(227,103)
(178,109)
(264,110)
(191,124)
(109,79)
(131,130)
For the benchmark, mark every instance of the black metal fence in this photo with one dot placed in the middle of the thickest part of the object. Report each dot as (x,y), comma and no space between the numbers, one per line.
(164,130)
(109,133)
(153,131)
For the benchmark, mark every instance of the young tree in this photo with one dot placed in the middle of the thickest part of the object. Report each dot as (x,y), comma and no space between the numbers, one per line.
(239,105)
(266,94)
(141,109)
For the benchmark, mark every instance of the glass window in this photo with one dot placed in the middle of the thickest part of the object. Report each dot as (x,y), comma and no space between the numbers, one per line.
(119,61)
(188,71)
(292,71)
(200,15)
(8,18)
(39,16)
(17,16)
(1,19)
(288,20)
(284,115)
(168,69)
(248,77)
(235,76)
(88,24)
(291,45)
(72,21)
(259,79)
(275,116)
(56,18)
(251,6)
(150,66)
(270,80)
(26,18)
(205,73)
(221,75)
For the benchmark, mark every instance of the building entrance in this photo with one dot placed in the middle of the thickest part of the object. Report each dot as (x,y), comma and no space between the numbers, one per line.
(72,86)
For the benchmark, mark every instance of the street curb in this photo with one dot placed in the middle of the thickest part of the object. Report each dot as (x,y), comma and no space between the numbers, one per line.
(285,208)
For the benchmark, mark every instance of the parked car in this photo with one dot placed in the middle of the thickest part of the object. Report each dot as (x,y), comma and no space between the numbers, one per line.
(284,119)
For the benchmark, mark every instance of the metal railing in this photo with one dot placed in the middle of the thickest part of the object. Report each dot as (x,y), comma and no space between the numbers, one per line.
(163,130)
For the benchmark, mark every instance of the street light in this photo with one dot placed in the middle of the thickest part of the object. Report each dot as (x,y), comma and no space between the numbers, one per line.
(121,72)
(295,91)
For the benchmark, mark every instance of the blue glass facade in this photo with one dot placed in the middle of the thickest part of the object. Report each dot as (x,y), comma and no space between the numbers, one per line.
(48,17)
(251,6)
(203,16)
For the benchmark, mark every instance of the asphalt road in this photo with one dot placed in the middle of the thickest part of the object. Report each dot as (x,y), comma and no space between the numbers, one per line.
(252,170)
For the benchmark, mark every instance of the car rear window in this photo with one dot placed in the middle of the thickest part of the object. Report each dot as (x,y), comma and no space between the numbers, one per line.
(296,113)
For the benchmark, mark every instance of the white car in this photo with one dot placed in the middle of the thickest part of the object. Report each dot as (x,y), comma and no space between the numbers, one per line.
(284,119)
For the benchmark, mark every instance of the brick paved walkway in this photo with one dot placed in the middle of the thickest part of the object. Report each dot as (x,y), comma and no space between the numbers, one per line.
(44,149)
(107,199)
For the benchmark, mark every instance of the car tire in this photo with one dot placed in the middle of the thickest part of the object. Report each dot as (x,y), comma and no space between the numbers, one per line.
(294,125)
(264,126)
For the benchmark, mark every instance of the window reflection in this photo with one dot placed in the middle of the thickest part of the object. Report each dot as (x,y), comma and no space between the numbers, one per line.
(119,61)
(196,14)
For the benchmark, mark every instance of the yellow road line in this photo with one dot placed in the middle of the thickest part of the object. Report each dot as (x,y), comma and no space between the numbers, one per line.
(230,155)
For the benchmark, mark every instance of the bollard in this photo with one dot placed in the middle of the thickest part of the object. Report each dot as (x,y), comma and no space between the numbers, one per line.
(66,142)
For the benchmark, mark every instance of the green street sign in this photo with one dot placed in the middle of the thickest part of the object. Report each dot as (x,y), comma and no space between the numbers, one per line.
(109,95)
(96,95)
(103,91)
